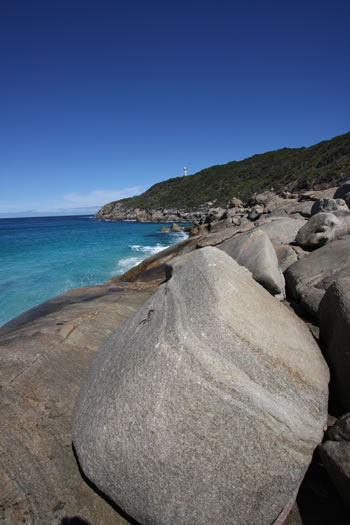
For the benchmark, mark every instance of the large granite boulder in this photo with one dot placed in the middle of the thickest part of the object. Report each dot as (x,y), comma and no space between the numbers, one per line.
(334,320)
(282,229)
(206,406)
(255,251)
(320,229)
(308,279)
(174,265)
(323,228)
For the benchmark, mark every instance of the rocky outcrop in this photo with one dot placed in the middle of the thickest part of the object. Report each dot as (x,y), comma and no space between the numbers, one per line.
(44,357)
(206,404)
(117,211)
(39,478)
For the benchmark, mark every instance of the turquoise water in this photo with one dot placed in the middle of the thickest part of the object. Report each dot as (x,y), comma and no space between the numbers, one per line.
(44,256)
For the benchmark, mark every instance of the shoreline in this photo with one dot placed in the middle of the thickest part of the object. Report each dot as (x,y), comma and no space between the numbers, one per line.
(47,351)
(44,257)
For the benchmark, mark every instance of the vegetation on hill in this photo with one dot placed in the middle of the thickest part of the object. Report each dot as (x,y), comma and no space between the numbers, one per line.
(320,166)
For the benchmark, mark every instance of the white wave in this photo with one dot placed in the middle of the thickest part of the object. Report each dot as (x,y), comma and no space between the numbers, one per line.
(147,250)
(124,265)
(179,236)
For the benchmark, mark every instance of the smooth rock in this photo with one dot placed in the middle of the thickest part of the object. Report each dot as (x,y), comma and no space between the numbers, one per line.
(328,206)
(223,233)
(165,229)
(255,251)
(44,358)
(283,230)
(205,406)
(176,264)
(294,206)
(320,229)
(316,272)
(334,320)
(336,458)
(340,430)
(286,255)
(315,195)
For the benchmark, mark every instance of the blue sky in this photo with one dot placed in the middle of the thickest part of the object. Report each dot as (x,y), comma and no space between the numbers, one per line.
(101,99)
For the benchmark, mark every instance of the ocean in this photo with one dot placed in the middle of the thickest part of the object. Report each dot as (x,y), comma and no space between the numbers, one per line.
(44,256)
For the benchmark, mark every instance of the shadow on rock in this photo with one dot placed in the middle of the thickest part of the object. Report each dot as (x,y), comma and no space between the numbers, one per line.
(119,510)
(75,520)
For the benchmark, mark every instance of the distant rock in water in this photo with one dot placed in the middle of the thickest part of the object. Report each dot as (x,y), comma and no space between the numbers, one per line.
(206,405)
(175,228)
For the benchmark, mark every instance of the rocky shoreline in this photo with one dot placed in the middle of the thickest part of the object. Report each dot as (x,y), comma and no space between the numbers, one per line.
(247,311)
(116,211)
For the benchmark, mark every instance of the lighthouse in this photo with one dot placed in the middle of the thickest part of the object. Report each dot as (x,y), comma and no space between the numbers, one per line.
(185,171)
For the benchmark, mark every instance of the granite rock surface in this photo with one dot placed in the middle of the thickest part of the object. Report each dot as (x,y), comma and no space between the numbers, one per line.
(206,405)
(44,357)
(255,252)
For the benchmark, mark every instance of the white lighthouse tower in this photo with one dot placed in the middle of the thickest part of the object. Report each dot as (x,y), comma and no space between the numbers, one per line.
(185,171)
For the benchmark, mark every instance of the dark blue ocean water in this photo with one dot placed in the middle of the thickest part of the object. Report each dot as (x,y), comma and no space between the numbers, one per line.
(44,256)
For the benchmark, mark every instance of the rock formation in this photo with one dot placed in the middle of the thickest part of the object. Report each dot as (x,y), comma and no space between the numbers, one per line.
(45,354)
(206,405)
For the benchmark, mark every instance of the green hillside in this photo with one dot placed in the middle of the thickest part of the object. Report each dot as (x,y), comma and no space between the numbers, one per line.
(323,165)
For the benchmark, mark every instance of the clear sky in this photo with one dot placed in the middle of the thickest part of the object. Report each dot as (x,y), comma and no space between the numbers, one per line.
(101,99)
